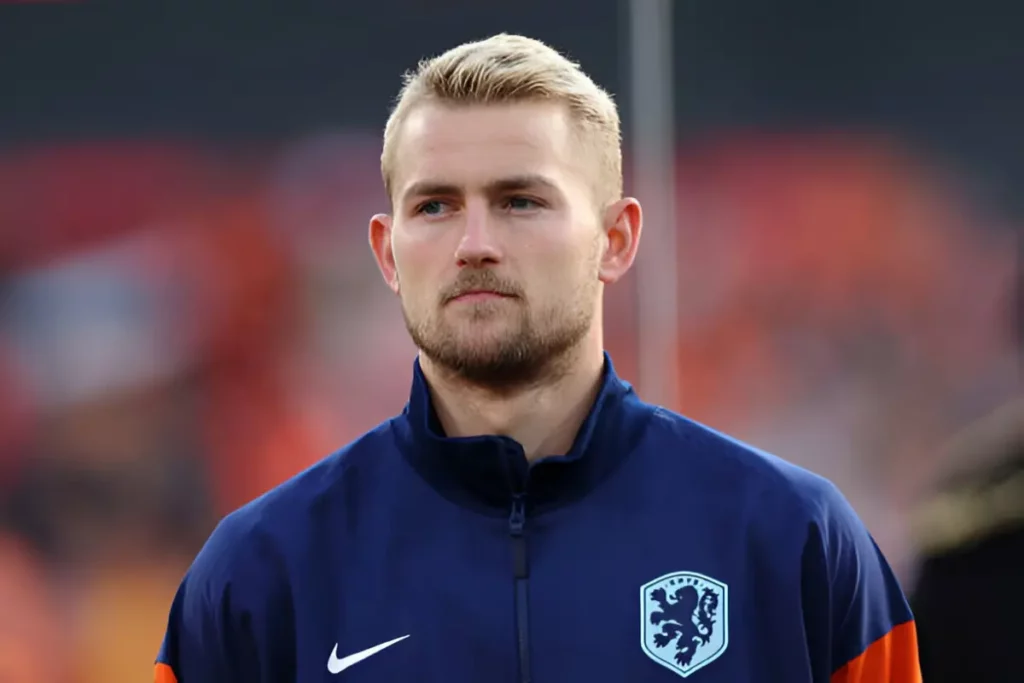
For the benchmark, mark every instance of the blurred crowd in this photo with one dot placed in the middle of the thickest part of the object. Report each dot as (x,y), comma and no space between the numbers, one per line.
(184,326)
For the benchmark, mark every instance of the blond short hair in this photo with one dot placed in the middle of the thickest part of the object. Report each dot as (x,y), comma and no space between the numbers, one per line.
(505,69)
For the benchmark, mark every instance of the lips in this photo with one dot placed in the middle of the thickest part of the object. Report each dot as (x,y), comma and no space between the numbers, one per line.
(479,295)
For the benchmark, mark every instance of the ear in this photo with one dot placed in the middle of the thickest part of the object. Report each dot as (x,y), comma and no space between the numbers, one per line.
(623,222)
(380,244)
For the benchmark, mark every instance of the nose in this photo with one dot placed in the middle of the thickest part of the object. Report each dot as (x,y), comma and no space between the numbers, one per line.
(479,245)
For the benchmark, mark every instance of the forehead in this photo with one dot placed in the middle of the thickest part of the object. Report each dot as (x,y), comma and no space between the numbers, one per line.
(473,145)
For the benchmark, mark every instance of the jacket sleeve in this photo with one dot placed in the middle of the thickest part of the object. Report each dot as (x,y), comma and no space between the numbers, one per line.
(227,621)
(859,627)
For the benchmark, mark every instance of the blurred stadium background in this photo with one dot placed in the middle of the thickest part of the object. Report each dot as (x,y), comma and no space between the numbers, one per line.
(190,313)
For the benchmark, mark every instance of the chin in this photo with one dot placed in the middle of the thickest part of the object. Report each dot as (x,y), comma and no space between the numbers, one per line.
(480,323)
(481,342)
(481,335)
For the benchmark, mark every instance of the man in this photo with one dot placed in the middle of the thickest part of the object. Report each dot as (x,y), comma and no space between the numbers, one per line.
(527,517)
(969,595)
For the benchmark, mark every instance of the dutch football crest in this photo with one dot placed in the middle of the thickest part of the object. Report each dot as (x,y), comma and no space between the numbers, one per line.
(685,622)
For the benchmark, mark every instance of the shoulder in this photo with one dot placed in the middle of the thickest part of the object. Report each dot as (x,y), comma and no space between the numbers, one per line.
(248,545)
(718,459)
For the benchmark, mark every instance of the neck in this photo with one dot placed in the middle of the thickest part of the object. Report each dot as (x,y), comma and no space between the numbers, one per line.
(543,418)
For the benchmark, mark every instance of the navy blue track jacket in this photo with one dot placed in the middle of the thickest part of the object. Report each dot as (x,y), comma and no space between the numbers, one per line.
(655,549)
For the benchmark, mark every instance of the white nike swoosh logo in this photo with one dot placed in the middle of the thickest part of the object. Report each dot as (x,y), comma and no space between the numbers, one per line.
(336,666)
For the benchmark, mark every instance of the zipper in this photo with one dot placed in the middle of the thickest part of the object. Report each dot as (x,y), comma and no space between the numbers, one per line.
(521,580)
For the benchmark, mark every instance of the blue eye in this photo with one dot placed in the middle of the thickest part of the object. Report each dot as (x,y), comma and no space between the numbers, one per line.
(521,204)
(434,207)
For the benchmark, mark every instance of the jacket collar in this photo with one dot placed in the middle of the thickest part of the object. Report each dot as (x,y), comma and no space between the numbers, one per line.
(487,472)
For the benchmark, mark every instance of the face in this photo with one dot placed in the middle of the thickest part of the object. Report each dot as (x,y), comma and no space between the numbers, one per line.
(497,246)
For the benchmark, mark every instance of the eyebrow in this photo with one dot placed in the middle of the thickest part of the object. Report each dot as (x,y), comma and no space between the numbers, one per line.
(511,184)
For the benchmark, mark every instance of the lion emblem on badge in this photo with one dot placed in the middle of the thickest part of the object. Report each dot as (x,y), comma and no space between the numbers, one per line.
(684,621)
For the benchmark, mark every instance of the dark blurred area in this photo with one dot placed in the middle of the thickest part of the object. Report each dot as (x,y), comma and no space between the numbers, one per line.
(971,546)
(190,313)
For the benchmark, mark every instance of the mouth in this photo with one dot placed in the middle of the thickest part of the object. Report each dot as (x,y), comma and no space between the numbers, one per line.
(477,296)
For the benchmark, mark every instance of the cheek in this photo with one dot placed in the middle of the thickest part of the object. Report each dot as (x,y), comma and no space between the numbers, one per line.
(409,259)
(567,260)
(421,250)
(557,277)
(416,270)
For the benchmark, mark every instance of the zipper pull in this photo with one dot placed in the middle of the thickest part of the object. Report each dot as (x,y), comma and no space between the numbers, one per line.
(517,520)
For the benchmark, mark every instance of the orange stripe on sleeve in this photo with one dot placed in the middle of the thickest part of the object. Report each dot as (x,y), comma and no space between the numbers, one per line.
(164,674)
(893,658)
